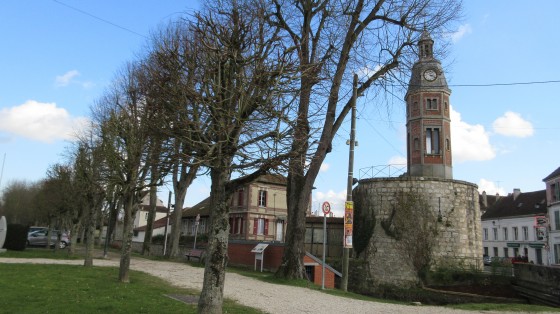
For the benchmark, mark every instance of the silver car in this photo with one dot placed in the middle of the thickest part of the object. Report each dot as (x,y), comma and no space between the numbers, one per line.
(39,238)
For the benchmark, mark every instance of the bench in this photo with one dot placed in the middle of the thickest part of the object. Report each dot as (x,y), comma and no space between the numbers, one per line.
(195,253)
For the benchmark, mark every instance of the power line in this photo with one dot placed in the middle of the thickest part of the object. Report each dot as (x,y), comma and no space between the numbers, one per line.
(100,19)
(505,84)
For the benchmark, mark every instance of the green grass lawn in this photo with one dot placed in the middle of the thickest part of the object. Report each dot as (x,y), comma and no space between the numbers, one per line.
(27,288)
(41,288)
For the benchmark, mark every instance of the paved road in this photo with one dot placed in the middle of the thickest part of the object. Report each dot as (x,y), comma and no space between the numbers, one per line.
(270,298)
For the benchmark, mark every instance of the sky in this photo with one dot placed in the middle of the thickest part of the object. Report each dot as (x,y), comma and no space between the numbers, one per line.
(59,56)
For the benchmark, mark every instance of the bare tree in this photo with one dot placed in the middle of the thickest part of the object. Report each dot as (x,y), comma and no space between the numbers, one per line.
(235,111)
(90,188)
(124,118)
(332,39)
(18,203)
(171,78)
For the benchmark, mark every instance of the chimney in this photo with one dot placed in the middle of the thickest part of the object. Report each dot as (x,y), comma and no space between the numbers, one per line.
(484,199)
(516,193)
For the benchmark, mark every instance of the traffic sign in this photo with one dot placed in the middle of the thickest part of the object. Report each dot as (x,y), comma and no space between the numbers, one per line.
(326,208)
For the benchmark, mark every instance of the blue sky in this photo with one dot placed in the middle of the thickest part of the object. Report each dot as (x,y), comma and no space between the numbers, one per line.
(58,60)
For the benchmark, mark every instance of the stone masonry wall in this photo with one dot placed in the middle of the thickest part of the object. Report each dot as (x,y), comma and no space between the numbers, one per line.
(459,242)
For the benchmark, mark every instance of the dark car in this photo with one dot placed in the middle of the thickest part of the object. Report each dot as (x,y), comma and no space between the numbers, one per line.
(39,238)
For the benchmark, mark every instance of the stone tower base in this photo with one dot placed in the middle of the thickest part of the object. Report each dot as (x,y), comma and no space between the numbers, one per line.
(456,220)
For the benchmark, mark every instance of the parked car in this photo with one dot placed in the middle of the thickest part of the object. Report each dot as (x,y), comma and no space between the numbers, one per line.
(36,228)
(487,260)
(39,238)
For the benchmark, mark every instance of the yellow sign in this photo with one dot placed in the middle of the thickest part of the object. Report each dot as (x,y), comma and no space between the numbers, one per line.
(348,223)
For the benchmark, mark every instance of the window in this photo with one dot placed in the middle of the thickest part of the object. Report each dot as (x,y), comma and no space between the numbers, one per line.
(416,144)
(525,233)
(496,251)
(515,233)
(262,198)
(556,253)
(555,192)
(432,141)
(495,230)
(486,250)
(486,234)
(260,226)
(236,225)
(240,197)
(431,104)
(515,252)
(505,233)
(506,252)
(557,219)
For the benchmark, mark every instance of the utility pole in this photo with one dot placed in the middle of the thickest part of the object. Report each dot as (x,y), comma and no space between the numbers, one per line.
(346,247)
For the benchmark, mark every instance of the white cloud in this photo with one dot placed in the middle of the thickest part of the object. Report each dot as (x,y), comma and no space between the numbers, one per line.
(469,142)
(397,160)
(324,167)
(66,78)
(512,124)
(461,32)
(367,71)
(43,122)
(490,187)
(336,199)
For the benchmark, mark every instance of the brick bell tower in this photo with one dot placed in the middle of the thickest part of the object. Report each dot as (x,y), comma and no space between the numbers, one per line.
(427,116)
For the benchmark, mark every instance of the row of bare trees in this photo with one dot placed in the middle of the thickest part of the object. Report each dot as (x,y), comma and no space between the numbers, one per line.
(243,87)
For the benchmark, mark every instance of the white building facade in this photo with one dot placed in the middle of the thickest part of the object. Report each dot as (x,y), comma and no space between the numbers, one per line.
(552,182)
(514,227)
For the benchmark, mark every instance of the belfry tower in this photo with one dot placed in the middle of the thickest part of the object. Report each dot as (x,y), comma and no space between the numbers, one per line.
(427,116)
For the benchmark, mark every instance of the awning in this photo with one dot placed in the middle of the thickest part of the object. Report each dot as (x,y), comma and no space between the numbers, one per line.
(536,245)
(513,244)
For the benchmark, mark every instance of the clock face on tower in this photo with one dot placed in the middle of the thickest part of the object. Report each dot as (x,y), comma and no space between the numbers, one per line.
(430,75)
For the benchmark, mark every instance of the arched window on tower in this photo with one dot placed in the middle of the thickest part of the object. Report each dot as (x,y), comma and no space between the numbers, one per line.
(432,141)
(416,144)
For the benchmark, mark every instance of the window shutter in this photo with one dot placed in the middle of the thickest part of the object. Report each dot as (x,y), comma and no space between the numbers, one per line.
(266,227)
(255,225)
(265,192)
(231,223)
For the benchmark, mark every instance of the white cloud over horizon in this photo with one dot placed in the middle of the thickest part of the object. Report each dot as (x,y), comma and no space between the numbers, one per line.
(469,142)
(490,188)
(336,199)
(512,124)
(69,78)
(66,78)
(461,32)
(38,121)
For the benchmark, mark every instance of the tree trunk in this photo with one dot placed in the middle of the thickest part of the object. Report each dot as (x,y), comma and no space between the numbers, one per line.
(176,222)
(150,223)
(294,249)
(211,297)
(74,230)
(113,213)
(129,215)
(90,234)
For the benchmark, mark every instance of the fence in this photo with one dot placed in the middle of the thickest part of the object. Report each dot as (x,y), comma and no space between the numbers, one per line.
(382,171)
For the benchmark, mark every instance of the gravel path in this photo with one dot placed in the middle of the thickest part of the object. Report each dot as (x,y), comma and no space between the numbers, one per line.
(270,298)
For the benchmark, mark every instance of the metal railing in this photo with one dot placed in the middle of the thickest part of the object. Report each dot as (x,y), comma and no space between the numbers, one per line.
(382,171)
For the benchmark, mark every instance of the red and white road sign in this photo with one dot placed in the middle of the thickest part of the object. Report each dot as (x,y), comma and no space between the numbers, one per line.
(326,208)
